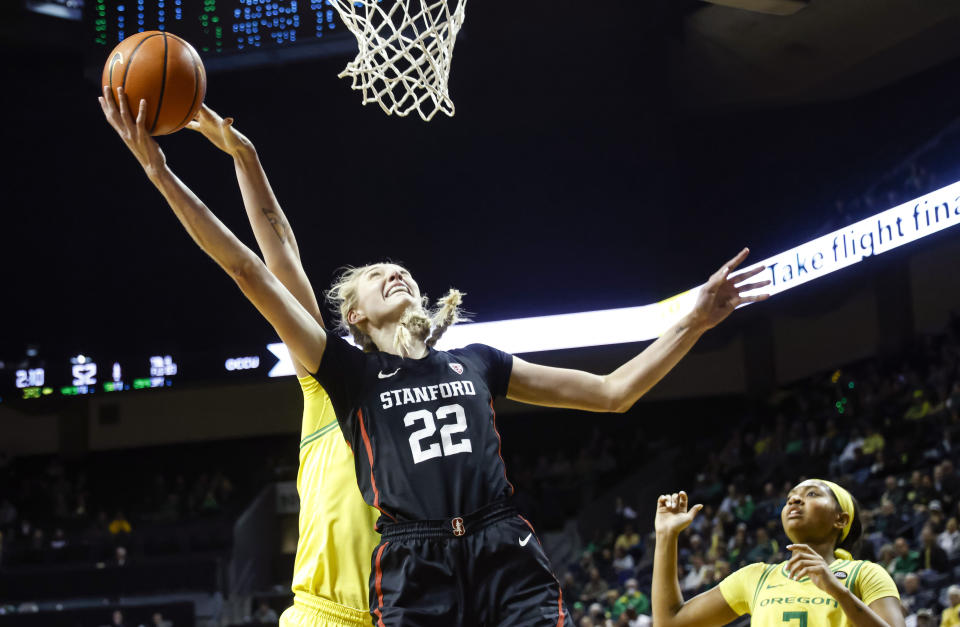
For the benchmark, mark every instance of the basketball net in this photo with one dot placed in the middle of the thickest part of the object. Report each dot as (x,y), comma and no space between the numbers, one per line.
(405,51)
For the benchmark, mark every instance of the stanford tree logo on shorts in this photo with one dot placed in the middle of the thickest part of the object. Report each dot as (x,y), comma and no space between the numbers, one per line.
(457,368)
(458,528)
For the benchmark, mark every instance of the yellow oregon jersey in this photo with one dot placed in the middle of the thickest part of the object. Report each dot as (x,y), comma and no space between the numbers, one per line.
(337,536)
(773,600)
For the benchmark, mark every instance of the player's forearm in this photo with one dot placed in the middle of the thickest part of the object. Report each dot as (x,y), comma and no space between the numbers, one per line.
(272,230)
(205,228)
(636,377)
(666,597)
(270,225)
(858,613)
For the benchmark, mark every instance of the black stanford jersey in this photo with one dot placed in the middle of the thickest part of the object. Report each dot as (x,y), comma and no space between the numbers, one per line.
(423,431)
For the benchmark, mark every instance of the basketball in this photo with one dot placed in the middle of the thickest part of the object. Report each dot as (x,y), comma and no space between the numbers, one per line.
(164,70)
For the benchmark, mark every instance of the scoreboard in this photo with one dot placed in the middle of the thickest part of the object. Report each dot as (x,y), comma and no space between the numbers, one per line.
(38,376)
(226,33)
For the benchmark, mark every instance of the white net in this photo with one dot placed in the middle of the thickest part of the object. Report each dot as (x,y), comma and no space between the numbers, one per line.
(405,51)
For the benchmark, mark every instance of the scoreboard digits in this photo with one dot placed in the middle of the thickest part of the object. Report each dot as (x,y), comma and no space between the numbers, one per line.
(218,28)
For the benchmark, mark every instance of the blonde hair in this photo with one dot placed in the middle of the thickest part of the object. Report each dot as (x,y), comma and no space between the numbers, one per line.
(418,322)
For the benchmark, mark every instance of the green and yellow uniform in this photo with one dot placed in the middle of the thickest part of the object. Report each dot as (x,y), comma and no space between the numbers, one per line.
(331,573)
(774,600)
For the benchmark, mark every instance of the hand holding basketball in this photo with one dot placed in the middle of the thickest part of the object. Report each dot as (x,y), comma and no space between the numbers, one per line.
(220,132)
(134,133)
(672,514)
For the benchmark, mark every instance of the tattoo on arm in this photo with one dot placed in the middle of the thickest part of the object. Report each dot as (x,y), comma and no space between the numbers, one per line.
(279,224)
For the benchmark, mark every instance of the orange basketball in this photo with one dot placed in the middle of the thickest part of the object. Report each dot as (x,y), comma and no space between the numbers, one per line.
(163,69)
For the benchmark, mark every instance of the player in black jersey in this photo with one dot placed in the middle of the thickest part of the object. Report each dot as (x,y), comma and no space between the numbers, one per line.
(421,421)
(427,452)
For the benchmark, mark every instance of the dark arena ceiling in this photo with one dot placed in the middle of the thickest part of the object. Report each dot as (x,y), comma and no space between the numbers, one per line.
(602,154)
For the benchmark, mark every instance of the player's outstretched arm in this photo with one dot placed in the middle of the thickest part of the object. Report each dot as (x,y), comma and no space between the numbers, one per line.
(669,609)
(619,390)
(270,226)
(296,327)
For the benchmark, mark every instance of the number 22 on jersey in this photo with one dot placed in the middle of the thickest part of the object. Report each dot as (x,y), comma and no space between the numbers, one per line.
(424,446)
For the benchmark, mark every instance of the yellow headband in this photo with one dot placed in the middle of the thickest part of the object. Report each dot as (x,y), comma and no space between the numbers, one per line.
(846,504)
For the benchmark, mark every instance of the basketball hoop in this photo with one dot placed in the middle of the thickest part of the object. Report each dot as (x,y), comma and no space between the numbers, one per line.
(405,51)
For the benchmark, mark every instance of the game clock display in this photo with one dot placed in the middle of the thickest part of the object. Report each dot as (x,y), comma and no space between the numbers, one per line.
(85,375)
(217,28)
(39,376)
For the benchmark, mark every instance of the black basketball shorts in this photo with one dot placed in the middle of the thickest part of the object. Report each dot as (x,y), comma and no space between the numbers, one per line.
(482,570)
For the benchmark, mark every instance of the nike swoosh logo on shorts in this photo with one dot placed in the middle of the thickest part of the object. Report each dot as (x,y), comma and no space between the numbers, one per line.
(387,376)
(525,540)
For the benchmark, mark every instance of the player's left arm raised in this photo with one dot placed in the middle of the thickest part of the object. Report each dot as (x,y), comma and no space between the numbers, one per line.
(883,612)
(619,390)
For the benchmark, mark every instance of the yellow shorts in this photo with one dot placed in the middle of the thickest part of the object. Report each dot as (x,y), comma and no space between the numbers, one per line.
(311,611)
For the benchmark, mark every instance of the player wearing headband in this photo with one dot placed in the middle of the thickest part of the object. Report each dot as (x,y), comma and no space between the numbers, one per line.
(820,585)
(337,536)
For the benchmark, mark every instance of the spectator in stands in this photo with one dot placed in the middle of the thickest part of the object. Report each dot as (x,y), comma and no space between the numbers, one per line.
(595,588)
(702,527)
(935,515)
(265,615)
(157,620)
(744,508)
(120,525)
(209,503)
(571,589)
(888,521)
(932,557)
(949,539)
(117,619)
(737,546)
(886,556)
(721,569)
(764,549)
(623,514)
(622,561)
(951,615)
(910,597)
(768,507)
(905,559)
(59,540)
(595,613)
(698,574)
(632,599)
(729,502)
(120,557)
(718,542)
(919,408)
(694,547)
(894,493)
(917,493)
(922,618)
(873,443)
(627,540)
(848,457)
(577,612)
(949,485)
(609,601)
